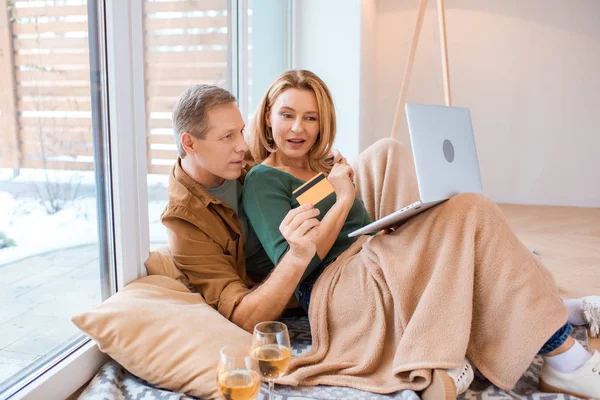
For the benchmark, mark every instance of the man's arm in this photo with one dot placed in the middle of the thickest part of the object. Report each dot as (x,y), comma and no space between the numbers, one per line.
(213,273)
(210,269)
(267,302)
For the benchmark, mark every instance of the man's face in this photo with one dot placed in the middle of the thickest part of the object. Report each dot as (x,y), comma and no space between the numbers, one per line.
(220,154)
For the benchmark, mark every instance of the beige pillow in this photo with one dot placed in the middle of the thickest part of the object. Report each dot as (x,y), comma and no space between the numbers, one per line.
(161,332)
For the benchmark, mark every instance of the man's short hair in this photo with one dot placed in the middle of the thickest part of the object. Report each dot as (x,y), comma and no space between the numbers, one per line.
(191,111)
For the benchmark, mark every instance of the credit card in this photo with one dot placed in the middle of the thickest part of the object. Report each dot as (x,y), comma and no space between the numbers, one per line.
(314,190)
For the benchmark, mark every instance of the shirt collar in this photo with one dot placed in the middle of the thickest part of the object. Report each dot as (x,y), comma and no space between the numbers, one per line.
(178,175)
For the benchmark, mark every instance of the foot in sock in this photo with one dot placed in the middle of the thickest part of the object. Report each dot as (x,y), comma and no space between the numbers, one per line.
(463,376)
(447,384)
(585,311)
(575,372)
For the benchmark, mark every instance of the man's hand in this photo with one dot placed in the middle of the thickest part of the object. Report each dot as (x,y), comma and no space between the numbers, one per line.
(300,228)
(336,157)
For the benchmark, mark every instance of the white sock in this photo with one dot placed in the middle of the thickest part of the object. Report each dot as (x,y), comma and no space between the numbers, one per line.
(570,360)
(575,308)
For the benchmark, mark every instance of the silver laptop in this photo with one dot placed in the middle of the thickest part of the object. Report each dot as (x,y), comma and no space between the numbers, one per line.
(445,160)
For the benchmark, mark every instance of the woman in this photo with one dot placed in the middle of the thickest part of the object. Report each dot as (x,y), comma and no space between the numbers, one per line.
(386,310)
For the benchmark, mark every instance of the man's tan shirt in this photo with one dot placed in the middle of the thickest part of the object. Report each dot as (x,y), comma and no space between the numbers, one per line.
(206,242)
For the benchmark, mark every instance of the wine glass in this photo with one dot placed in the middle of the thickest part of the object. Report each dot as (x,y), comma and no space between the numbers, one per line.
(237,374)
(271,351)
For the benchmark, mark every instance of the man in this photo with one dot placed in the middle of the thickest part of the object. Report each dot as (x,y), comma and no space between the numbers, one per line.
(209,237)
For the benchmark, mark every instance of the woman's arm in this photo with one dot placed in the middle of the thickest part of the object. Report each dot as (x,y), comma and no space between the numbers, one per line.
(332,223)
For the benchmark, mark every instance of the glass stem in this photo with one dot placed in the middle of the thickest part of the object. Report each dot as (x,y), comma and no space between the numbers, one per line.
(271,387)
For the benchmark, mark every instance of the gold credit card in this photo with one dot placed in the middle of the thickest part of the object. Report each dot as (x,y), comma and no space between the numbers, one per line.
(314,190)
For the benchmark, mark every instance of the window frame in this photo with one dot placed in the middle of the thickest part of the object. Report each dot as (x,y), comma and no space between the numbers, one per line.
(127,110)
(239,46)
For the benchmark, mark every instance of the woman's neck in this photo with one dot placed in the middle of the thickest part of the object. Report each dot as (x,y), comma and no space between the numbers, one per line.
(293,166)
(281,161)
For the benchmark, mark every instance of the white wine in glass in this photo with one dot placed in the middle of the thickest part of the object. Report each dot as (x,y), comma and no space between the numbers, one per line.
(237,376)
(273,360)
(271,351)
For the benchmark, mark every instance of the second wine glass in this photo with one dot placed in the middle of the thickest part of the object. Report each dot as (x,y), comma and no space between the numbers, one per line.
(237,376)
(271,351)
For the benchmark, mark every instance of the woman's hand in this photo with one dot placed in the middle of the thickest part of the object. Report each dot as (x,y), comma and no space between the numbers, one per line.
(387,231)
(341,178)
(300,228)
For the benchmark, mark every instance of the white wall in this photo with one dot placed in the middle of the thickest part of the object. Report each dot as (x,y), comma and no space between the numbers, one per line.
(530,73)
(327,41)
(367,109)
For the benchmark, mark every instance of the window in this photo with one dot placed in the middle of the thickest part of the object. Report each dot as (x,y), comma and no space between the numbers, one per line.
(54,242)
(266,49)
(238,45)
(185,43)
(85,148)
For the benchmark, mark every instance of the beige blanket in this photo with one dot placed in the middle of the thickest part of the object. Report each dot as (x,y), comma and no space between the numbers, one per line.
(452,281)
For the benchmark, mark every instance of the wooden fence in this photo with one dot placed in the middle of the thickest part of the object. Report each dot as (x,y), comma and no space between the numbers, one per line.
(45,116)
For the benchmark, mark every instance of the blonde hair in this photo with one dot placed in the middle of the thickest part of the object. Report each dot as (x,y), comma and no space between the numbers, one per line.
(260,139)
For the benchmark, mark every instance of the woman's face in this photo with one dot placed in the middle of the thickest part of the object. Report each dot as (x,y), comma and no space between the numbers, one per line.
(294,120)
